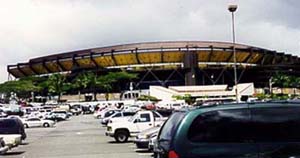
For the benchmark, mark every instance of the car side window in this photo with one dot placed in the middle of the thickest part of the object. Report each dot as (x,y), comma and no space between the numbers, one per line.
(118,115)
(34,119)
(7,123)
(223,126)
(127,114)
(278,124)
(144,118)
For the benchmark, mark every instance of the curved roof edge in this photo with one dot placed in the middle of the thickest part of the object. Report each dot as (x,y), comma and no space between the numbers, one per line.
(145,46)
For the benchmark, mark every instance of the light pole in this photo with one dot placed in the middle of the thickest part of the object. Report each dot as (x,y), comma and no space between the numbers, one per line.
(232,8)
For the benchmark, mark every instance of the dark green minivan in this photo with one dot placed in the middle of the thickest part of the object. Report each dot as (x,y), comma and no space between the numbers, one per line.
(248,130)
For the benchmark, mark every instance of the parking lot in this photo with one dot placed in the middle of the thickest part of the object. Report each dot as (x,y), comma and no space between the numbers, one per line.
(81,136)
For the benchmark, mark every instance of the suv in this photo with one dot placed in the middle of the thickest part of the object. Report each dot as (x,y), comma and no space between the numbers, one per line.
(12,126)
(265,129)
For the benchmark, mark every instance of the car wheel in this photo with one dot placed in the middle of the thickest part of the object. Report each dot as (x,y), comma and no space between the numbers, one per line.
(98,117)
(121,136)
(46,125)
(26,125)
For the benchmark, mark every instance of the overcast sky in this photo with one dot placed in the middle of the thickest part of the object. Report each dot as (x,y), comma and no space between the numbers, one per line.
(33,28)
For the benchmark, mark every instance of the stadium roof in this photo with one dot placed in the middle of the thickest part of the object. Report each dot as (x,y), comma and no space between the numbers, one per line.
(165,55)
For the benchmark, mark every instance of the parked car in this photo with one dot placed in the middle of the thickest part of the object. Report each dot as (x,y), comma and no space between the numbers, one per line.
(266,130)
(142,139)
(75,111)
(131,108)
(12,126)
(63,115)
(11,140)
(106,113)
(54,117)
(16,116)
(142,120)
(119,114)
(101,112)
(2,114)
(153,142)
(37,122)
(3,147)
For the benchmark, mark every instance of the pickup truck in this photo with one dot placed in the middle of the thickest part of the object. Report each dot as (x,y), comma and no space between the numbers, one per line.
(142,120)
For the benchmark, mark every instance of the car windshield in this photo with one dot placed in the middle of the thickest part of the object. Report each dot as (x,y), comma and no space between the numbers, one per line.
(132,118)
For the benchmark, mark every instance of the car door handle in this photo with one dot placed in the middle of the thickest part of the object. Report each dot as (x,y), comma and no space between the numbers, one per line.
(150,124)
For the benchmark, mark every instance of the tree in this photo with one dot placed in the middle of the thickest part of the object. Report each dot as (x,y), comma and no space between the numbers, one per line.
(81,82)
(57,84)
(148,98)
(187,98)
(22,87)
(122,75)
(105,83)
(281,80)
(294,82)
(92,82)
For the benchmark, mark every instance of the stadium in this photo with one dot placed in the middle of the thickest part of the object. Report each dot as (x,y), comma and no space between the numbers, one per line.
(169,63)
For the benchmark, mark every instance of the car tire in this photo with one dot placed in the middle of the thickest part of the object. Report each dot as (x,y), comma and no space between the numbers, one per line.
(26,125)
(46,125)
(121,136)
(98,117)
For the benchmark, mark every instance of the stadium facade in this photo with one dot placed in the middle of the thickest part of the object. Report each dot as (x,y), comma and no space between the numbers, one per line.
(169,63)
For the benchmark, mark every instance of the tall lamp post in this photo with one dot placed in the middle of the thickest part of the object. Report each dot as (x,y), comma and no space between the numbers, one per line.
(232,8)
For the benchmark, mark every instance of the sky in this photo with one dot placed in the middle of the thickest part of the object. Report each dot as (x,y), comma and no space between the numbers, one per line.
(34,28)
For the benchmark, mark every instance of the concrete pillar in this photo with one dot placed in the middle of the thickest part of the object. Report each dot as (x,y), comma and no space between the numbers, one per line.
(190,64)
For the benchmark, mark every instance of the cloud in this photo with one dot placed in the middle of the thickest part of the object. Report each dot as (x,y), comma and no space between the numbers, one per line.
(33,28)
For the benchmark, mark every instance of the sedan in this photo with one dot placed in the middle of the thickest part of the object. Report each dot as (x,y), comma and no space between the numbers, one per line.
(36,122)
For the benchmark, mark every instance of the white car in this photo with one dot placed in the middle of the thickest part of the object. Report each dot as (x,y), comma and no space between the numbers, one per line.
(36,122)
(131,108)
(3,147)
(11,140)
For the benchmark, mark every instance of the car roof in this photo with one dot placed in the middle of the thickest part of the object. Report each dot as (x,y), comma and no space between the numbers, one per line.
(272,103)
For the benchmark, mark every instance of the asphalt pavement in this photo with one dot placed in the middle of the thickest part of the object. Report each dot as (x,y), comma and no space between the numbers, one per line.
(81,136)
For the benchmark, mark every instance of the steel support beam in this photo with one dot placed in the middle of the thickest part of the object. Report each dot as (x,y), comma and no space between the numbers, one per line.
(274,58)
(137,56)
(32,69)
(230,56)
(241,75)
(75,61)
(170,76)
(249,57)
(210,53)
(262,61)
(93,60)
(60,66)
(20,69)
(45,66)
(113,57)
(162,55)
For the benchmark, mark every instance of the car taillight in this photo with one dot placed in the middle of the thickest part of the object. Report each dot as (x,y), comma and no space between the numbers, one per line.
(172,154)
